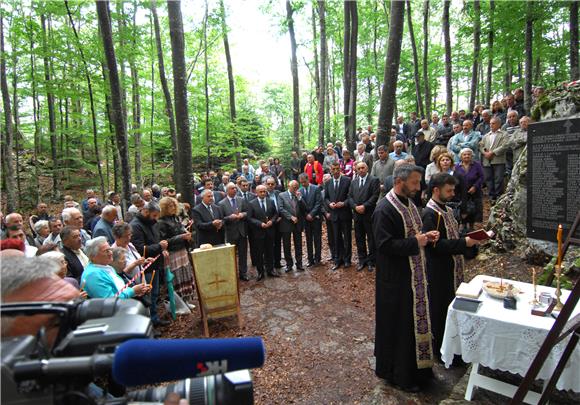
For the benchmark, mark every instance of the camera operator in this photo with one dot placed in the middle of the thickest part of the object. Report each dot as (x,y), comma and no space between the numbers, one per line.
(32,279)
(100,280)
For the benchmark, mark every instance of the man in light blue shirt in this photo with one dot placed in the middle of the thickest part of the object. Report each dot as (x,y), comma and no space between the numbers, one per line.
(398,153)
(466,139)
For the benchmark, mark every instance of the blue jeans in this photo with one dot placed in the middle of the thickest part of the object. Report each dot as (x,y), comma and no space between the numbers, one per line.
(494,175)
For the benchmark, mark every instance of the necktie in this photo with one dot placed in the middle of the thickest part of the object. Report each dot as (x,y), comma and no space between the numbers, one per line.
(210,211)
(305,192)
(263,204)
(234,204)
(362,182)
(246,196)
(336,184)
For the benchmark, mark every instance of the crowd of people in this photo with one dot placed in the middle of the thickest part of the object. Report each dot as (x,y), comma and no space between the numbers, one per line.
(410,203)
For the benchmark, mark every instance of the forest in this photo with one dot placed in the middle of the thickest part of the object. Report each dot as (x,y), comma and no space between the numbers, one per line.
(107,94)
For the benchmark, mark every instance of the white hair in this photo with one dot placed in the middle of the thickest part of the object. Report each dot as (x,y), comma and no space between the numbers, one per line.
(20,271)
(67,213)
(93,245)
(205,192)
(53,255)
(465,150)
(108,209)
(39,225)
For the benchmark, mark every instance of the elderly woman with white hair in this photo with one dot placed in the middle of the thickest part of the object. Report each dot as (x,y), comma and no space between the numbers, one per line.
(42,230)
(60,259)
(472,172)
(100,280)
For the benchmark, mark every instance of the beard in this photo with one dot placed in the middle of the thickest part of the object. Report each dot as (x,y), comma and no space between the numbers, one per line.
(408,192)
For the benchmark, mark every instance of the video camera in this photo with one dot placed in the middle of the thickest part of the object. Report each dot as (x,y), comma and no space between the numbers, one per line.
(106,345)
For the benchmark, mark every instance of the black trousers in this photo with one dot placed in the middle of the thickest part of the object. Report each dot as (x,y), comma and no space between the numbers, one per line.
(242,251)
(264,254)
(330,236)
(343,241)
(313,231)
(277,245)
(296,236)
(363,231)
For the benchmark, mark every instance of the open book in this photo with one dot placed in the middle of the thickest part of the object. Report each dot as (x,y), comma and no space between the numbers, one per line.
(481,234)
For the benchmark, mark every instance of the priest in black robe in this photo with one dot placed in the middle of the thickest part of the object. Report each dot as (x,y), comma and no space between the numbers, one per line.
(403,339)
(445,262)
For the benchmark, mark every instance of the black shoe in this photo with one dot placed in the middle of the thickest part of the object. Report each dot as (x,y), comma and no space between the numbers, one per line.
(278,266)
(288,269)
(371,268)
(336,267)
(310,264)
(299,267)
(408,388)
(347,264)
(360,266)
(260,276)
(160,322)
(273,274)
(244,277)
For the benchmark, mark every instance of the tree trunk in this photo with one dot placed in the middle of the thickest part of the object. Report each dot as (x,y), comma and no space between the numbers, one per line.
(426,59)
(16,131)
(507,81)
(116,99)
(529,56)
(295,84)
(166,93)
(574,69)
(35,108)
(490,39)
(232,88)
(206,86)
(389,93)
(448,74)
(323,100)
(152,118)
(349,76)
(476,49)
(180,94)
(318,88)
(121,61)
(51,113)
(8,133)
(419,102)
(136,108)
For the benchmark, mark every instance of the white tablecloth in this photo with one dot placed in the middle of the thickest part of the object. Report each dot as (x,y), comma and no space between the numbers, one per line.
(508,340)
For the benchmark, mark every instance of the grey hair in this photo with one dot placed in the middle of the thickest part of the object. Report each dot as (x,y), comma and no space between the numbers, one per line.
(66,232)
(266,178)
(135,197)
(465,150)
(496,119)
(67,213)
(39,225)
(20,271)
(119,229)
(151,206)
(230,185)
(53,255)
(117,252)
(205,192)
(404,171)
(108,209)
(93,245)
(486,111)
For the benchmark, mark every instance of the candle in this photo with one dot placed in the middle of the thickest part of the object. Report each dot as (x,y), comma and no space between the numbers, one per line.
(534,277)
(559,238)
(438,220)
(152,277)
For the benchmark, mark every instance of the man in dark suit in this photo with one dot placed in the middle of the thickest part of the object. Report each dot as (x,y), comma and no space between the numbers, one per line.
(336,200)
(208,218)
(312,197)
(208,184)
(71,248)
(261,217)
(362,199)
(235,211)
(244,190)
(291,207)
(271,183)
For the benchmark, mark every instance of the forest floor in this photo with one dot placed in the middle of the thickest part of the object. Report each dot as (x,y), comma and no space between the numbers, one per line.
(318,328)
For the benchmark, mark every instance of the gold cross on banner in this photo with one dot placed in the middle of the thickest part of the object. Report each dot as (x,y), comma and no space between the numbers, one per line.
(217,281)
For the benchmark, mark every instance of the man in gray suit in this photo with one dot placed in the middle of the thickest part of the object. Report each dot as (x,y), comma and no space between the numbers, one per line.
(312,196)
(291,208)
(235,211)
(493,148)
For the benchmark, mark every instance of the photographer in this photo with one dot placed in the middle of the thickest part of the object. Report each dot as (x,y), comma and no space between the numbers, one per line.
(100,280)
(32,279)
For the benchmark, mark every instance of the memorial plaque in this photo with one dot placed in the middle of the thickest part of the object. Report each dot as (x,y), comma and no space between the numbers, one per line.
(553,178)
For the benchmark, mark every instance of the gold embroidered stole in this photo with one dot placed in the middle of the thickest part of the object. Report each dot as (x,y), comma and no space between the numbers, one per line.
(422,320)
(452,233)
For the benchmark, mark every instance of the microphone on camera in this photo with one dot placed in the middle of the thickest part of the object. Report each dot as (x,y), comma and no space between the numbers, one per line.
(143,361)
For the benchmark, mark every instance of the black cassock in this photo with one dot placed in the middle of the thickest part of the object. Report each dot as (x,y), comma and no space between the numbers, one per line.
(440,272)
(396,359)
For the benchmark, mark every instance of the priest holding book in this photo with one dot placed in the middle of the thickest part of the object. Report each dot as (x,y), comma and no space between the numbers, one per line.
(403,339)
(445,261)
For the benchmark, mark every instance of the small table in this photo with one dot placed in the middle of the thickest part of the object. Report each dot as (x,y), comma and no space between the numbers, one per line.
(507,340)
